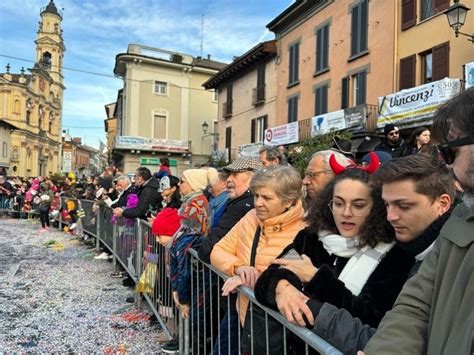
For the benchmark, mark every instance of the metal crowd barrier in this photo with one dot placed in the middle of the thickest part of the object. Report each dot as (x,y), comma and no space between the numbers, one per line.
(213,326)
(9,207)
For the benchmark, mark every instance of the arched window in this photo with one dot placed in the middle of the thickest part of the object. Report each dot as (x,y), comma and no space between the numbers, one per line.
(16,105)
(46,60)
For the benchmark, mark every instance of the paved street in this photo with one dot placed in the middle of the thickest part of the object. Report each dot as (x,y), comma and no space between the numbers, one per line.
(54,297)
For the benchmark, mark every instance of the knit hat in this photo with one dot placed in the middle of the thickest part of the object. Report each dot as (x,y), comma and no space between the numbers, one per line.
(166,222)
(196,178)
(389,128)
(244,164)
(212,176)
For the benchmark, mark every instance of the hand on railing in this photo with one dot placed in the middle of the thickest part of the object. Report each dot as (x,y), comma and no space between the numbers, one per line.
(231,285)
(183,308)
(248,274)
(291,302)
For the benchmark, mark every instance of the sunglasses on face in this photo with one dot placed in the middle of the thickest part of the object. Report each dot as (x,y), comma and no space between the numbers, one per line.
(448,154)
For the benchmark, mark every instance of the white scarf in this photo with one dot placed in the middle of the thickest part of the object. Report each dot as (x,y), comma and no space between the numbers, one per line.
(338,245)
(360,266)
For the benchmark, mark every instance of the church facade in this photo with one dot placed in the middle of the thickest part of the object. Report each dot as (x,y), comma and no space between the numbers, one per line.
(31,103)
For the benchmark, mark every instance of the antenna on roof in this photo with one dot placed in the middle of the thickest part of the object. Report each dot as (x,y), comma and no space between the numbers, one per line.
(202,33)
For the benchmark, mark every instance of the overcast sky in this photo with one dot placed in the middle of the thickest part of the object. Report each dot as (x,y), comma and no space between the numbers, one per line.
(96,31)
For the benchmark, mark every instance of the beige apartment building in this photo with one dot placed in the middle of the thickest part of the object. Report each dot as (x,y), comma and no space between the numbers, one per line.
(163,107)
(247,100)
(32,103)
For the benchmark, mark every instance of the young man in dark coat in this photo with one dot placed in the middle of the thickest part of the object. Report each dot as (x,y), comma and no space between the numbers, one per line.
(392,143)
(418,191)
(435,310)
(148,196)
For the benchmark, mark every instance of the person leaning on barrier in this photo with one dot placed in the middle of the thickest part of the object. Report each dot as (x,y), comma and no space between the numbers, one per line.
(318,172)
(240,201)
(418,192)
(148,196)
(434,312)
(124,188)
(262,233)
(348,254)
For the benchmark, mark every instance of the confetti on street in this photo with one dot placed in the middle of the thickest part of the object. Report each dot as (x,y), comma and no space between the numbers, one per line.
(54,297)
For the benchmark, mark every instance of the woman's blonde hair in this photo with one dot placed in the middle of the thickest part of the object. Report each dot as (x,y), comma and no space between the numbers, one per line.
(283,180)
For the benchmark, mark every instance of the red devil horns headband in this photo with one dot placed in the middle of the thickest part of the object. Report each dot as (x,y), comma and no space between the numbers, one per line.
(339,169)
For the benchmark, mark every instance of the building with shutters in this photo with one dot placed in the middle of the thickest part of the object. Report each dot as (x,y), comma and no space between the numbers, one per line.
(246,101)
(31,103)
(162,108)
(427,49)
(331,56)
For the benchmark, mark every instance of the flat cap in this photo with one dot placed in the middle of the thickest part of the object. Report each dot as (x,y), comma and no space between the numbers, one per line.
(244,164)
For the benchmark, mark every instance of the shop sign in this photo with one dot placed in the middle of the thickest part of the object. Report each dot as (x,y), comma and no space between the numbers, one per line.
(285,134)
(469,75)
(141,143)
(417,103)
(249,150)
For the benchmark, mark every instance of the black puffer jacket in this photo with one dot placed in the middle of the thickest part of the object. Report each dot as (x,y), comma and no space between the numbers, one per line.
(233,212)
(395,150)
(148,199)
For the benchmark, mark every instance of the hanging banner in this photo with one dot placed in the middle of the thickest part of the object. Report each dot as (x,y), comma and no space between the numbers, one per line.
(141,143)
(284,134)
(417,103)
(249,150)
(469,75)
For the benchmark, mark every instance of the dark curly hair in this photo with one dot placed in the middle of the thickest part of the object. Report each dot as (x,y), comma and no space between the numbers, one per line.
(376,227)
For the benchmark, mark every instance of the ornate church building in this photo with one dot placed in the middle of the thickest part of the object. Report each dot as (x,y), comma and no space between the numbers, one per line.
(31,103)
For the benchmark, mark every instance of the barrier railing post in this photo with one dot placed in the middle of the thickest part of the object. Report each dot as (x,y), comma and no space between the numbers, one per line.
(98,221)
(138,256)
(114,246)
(60,215)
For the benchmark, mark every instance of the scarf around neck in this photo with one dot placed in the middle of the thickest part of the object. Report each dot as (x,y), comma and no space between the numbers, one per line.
(338,245)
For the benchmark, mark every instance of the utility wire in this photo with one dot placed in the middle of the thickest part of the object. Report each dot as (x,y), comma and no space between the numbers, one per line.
(102,74)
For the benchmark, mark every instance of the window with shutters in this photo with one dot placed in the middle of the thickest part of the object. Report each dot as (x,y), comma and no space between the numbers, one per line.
(259,125)
(407,72)
(359,88)
(429,8)
(228,141)
(322,48)
(321,99)
(294,53)
(345,92)
(435,63)
(258,93)
(293,108)
(408,14)
(427,68)
(359,26)
(227,106)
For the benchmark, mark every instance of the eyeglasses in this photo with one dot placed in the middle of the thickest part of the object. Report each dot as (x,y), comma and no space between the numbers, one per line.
(357,209)
(314,174)
(396,133)
(446,148)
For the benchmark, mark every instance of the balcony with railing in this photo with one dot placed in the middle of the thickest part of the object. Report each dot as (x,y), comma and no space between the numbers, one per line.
(367,116)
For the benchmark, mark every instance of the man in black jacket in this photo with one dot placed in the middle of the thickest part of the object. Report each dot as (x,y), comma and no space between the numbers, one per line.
(392,143)
(240,202)
(148,196)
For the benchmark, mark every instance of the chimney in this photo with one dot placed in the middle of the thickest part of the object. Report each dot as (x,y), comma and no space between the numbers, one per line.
(209,57)
(77,140)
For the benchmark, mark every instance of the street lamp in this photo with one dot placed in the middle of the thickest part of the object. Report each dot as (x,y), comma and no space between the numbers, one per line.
(456,17)
(205,128)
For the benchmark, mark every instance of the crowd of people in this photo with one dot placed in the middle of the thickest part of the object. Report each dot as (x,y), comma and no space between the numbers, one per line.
(375,255)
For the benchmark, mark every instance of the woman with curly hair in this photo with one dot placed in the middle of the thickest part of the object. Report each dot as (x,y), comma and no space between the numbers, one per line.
(347,256)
